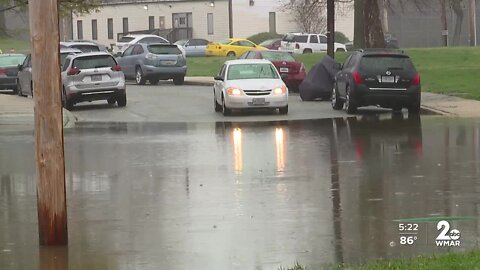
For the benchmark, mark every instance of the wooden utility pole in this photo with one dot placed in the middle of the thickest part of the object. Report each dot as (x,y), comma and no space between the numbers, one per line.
(331,28)
(50,166)
(444,23)
(472,22)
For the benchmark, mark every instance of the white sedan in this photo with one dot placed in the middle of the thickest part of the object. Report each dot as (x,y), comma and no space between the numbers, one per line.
(249,84)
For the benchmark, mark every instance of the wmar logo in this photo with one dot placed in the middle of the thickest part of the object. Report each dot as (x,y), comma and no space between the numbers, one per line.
(447,237)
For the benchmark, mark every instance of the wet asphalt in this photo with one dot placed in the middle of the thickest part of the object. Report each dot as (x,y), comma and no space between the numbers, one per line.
(246,195)
(161,186)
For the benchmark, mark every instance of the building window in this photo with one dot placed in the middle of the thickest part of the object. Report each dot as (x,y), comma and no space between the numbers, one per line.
(210,23)
(110,28)
(79,29)
(151,23)
(161,22)
(94,30)
(125,25)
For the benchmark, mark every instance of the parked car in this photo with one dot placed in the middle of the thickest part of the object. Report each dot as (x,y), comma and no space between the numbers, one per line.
(24,81)
(124,42)
(386,78)
(308,43)
(82,46)
(153,62)
(272,44)
(293,72)
(64,52)
(231,47)
(100,46)
(249,84)
(193,47)
(9,70)
(92,76)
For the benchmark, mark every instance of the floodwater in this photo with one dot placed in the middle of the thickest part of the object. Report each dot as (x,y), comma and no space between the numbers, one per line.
(246,196)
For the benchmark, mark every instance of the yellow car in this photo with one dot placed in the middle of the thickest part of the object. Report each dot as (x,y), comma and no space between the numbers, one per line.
(232,47)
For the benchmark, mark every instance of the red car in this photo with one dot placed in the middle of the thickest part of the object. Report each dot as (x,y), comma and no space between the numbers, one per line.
(272,44)
(285,64)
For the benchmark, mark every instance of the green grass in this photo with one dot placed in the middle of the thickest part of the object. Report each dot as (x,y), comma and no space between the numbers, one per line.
(20,46)
(458,261)
(452,71)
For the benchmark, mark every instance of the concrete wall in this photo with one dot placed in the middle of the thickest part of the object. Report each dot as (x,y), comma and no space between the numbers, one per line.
(423,28)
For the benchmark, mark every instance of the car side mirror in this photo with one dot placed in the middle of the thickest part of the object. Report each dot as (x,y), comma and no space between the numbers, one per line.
(218,78)
(20,67)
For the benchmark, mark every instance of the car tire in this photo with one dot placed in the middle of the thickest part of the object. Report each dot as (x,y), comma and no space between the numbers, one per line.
(139,78)
(337,103)
(414,108)
(283,110)
(350,104)
(122,100)
(225,111)
(231,54)
(153,81)
(307,51)
(217,107)
(67,103)
(111,100)
(19,90)
(178,80)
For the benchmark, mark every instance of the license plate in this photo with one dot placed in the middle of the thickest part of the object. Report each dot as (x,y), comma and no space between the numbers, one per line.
(96,78)
(168,62)
(258,101)
(388,79)
(283,69)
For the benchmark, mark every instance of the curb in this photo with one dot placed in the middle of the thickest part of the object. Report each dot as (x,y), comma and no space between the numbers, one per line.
(198,83)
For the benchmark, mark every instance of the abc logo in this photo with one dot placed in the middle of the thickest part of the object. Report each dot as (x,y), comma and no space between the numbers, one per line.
(454,234)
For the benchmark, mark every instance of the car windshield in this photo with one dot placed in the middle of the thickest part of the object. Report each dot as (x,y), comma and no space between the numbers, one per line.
(225,41)
(251,71)
(86,48)
(162,49)
(126,39)
(94,61)
(278,56)
(379,64)
(181,42)
(11,60)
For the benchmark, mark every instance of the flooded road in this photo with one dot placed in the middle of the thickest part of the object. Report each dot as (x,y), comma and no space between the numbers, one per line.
(246,196)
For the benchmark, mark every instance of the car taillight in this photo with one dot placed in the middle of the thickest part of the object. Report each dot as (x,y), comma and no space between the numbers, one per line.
(297,46)
(357,78)
(73,71)
(416,80)
(117,68)
(3,71)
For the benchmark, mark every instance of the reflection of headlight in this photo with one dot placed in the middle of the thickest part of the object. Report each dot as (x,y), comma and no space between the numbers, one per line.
(233,91)
(279,90)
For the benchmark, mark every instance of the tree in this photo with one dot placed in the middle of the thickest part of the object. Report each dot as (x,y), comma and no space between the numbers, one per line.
(309,15)
(66,6)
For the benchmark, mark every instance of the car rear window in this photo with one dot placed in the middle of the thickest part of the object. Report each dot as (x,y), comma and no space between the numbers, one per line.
(162,49)
(379,64)
(268,42)
(94,61)
(251,71)
(126,39)
(225,41)
(86,48)
(11,61)
(278,56)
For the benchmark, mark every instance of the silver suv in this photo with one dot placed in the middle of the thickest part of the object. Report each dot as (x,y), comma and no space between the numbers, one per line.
(92,76)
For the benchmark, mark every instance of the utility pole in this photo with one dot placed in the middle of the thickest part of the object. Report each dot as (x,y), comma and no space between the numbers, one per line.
(50,163)
(472,23)
(331,28)
(359,33)
(444,24)
(230,18)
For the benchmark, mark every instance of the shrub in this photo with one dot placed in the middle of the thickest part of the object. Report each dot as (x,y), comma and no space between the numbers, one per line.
(261,37)
(341,38)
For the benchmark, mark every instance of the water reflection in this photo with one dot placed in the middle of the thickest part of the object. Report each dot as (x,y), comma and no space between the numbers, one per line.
(240,196)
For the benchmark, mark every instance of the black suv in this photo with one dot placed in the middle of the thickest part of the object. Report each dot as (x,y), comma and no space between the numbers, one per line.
(377,77)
